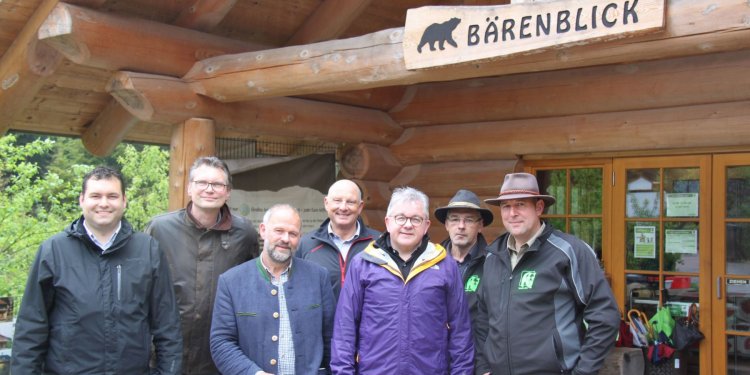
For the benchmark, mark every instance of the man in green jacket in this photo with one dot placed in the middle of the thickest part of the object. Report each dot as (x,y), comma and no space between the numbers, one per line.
(201,242)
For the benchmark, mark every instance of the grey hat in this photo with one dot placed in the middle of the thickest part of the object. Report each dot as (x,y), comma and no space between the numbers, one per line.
(520,186)
(464,199)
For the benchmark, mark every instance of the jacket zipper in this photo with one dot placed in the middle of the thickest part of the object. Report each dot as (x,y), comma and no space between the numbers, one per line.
(119,281)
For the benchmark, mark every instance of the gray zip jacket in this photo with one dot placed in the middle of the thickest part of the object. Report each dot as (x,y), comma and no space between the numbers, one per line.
(88,312)
(531,319)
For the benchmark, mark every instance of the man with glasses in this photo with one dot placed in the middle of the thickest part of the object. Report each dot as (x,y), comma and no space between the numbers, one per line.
(342,236)
(402,308)
(201,242)
(464,218)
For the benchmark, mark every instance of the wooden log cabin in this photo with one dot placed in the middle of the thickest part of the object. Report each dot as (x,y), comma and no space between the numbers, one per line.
(644,137)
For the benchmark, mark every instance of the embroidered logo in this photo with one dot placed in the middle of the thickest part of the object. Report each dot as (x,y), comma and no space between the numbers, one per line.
(527,280)
(472,284)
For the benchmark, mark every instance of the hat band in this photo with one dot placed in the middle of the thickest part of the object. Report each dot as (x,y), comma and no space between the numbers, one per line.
(451,204)
(507,192)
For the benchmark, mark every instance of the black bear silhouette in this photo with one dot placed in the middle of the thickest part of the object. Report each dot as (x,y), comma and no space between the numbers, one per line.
(440,33)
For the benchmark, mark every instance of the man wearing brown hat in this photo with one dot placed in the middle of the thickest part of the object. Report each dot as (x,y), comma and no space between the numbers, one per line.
(552,310)
(464,218)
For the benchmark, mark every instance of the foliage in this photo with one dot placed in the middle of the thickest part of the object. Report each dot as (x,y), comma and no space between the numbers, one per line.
(147,192)
(32,207)
(40,180)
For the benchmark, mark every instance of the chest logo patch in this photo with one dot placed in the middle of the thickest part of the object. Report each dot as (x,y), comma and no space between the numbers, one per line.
(527,280)
(472,284)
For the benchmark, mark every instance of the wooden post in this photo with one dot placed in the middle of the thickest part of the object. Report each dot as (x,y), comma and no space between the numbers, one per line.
(192,139)
(108,130)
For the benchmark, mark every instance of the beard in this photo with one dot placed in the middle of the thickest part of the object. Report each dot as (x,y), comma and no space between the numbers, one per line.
(278,256)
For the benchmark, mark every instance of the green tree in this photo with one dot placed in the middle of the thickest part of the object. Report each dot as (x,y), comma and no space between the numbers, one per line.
(147,172)
(40,181)
(33,206)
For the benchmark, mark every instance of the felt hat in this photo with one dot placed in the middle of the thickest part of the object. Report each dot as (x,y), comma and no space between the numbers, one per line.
(464,199)
(520,186)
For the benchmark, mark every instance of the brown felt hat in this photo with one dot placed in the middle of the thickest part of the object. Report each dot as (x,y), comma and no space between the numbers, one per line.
(520,186)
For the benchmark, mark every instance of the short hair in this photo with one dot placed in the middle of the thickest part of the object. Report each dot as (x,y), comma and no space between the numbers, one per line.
(408,194)
(103,173)
(276,207)
(214,162)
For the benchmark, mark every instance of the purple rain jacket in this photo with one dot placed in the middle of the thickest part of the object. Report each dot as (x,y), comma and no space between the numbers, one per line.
(387,325)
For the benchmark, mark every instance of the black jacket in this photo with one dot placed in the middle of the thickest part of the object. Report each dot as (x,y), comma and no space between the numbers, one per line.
(472,271)
(317,247)
(88,312)
(531,318)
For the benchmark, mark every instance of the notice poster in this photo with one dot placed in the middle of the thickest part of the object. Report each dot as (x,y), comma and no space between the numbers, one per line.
(644,242)
(253,204)
(681,241)
(682,204)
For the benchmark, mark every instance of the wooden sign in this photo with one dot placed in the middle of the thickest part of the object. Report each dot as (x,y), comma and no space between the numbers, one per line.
(444,35)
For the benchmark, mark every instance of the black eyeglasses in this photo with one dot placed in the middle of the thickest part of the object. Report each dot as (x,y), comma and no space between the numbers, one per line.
(401,220)
(216,186)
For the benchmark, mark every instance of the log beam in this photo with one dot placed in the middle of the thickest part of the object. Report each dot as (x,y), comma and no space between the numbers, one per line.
(375,194)
(376,60)
(23,66)
(108,129)
(665,83)
(483,177)
(190,140)
(112,125)
(367,161)
(708,125)
(374,219)
(169,100)
(204,14)
(98,39)
(330,20)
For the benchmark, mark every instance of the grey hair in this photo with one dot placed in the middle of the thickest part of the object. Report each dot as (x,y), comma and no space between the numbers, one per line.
(408,194)
(214,162)
(277,207)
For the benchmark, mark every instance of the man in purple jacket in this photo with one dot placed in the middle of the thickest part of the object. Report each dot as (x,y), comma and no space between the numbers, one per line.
(402,309)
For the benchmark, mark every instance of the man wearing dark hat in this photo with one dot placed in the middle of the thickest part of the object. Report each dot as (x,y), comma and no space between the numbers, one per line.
(464,218)
(552,310)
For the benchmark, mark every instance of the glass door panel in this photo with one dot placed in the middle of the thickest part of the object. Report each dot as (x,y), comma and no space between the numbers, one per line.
(660,223)
(732,265)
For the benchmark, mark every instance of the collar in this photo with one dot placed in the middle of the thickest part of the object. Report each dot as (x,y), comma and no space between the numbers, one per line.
(223,222)
(336,236)
(102,245)
(266,272)
(512,245)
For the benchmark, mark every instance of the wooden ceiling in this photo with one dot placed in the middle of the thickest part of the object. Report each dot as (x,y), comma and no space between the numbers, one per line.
(321,70)
(71,95)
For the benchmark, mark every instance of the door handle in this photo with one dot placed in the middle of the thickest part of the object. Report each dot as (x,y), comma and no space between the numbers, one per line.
(718,287)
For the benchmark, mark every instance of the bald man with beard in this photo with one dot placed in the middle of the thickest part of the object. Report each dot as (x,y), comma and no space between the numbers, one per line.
(340,237)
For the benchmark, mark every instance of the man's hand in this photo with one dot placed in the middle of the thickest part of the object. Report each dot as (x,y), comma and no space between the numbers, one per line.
(263,373)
